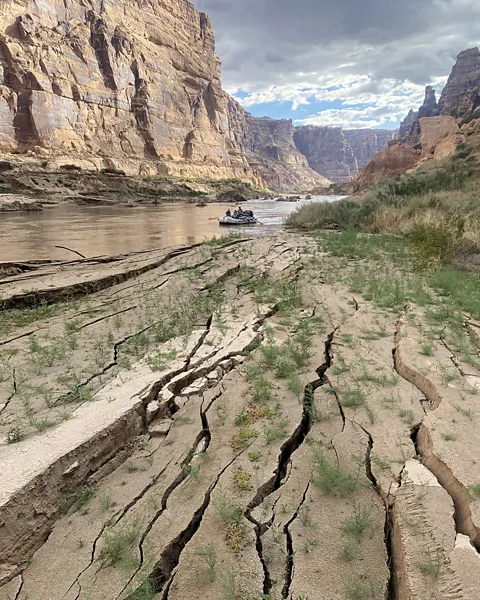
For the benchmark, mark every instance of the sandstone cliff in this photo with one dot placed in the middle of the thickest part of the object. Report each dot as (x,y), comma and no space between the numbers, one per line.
(133,85)
(461,94)
(433,131)
(270,150)
(365,143)
(338,154)
(119,82)
(327,151)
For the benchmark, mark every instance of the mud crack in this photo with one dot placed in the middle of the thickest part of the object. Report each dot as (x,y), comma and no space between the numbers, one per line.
(170,556)
(290,567)
(284,460)
(456,490)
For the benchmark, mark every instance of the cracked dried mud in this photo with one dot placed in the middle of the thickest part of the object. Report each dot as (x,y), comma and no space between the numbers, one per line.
(233,421)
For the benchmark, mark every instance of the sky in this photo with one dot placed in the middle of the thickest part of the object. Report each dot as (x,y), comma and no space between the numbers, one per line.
(349,63)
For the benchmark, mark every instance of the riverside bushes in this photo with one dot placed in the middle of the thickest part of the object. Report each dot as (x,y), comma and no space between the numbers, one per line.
(439,212)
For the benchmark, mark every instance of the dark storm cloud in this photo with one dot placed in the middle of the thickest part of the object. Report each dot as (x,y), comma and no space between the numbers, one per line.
(300,45)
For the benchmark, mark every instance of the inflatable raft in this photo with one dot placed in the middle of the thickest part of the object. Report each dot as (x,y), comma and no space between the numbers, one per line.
(233,221)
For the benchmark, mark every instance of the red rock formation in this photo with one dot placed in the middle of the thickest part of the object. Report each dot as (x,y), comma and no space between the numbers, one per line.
(394,159)
(433,130)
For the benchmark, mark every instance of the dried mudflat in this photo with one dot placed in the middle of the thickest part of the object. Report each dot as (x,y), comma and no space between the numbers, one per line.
(231,421)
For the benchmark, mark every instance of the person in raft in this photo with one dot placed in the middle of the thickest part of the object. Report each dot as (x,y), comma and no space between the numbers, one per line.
(228,213)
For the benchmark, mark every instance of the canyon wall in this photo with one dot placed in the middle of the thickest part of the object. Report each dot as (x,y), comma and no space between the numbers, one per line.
(461,94)
(269,147)
(134,85)
(460,97)
(365,143)
(340,154)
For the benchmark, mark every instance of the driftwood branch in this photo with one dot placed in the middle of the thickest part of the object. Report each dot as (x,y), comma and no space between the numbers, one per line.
(70,250)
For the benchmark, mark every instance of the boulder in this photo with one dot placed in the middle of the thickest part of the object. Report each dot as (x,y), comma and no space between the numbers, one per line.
(14,203)
(232,196)
(5,165)
(161,428)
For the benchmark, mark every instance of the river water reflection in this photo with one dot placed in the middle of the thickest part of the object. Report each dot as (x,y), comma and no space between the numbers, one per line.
(95,231)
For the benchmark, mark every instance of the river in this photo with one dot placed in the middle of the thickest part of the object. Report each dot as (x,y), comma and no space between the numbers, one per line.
(107,230)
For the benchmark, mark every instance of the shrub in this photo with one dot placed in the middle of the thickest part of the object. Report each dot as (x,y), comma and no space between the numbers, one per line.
(343,213)
(434,244)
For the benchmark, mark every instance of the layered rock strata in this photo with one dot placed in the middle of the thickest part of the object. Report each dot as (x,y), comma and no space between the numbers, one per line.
(461,94)
(338,154)
(140,81)
(130,85)
(271,151)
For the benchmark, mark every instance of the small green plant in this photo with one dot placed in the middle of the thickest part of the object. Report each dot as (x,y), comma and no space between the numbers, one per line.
(243,438)
(44,423)
(340,366)
(370,414)
(242,418)
(331,479)
(295,385)
(407,416)
(209,555)
(475,490)
(359,522)
(226,510)
(229,584)
(160,360)
(351,550)
(308,546)
(14,435)
(347,339)
(254,457)
(118,546)
(427,349)
(106,501)
(273,434)
(361,588)
(352,398)
(449,437)
(466,412)
(82,498)
(433,566)
(304,516)
(242,480)
(380,463)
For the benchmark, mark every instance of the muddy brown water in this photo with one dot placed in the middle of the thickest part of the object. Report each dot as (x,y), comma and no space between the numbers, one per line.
(108,230)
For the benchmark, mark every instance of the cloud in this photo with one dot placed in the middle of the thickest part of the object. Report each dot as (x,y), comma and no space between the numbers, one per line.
(376,52)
